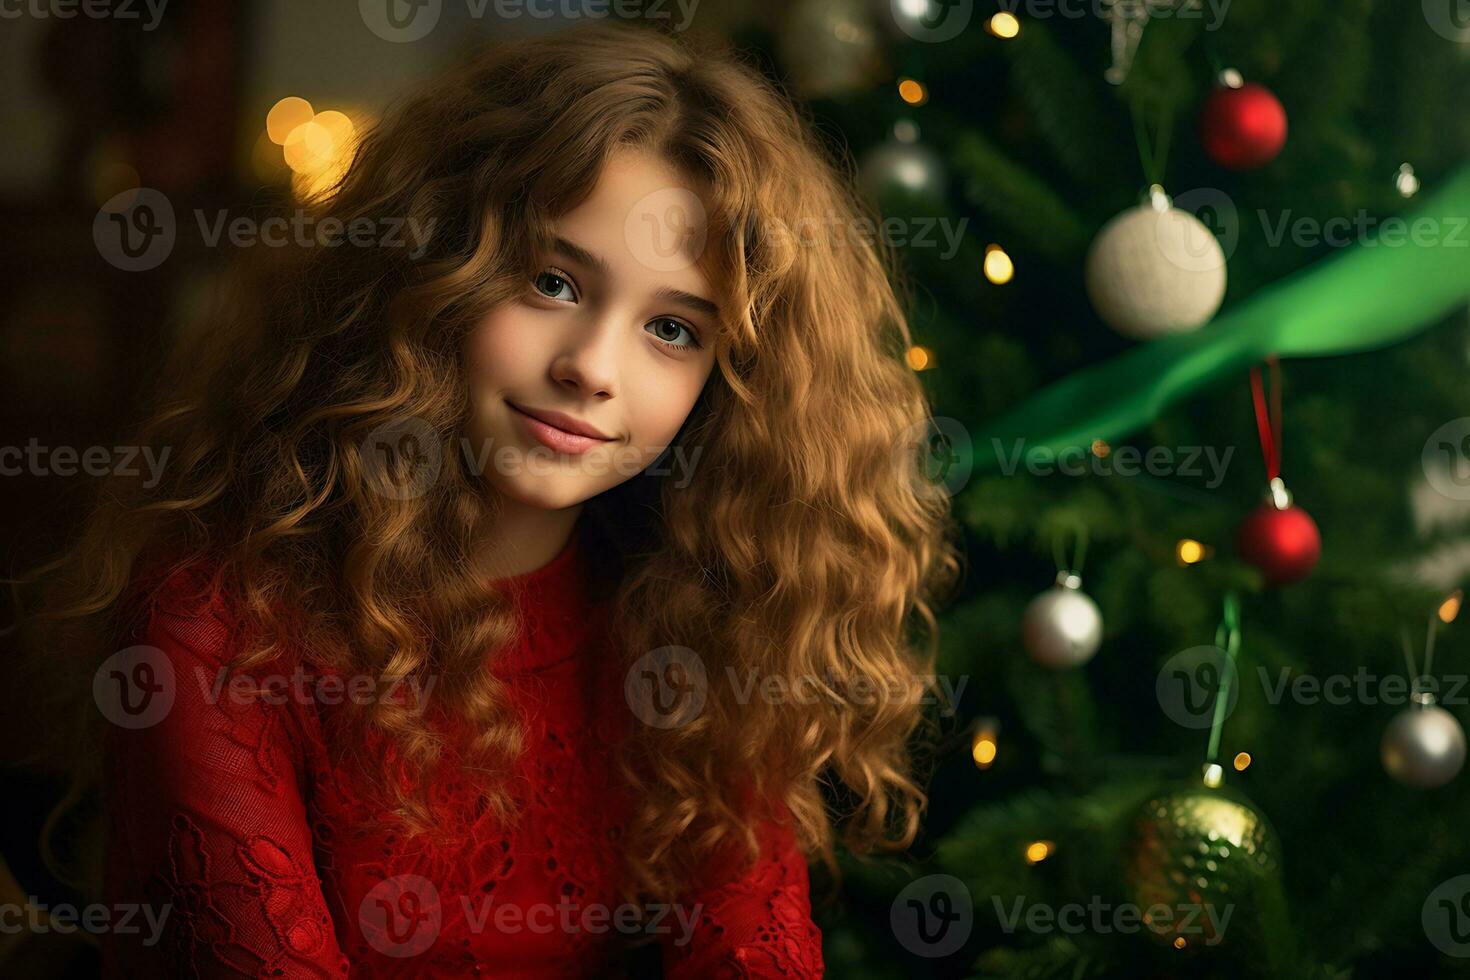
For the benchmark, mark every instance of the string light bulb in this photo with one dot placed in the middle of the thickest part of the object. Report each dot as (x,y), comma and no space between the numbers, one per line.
(1190,552)
(1003,25)
(913,92)
(1039,850)
(999,268)
(984,747)
(919,358)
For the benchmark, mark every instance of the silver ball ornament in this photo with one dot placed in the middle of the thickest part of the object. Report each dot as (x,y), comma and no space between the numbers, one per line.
(1062,626)
(1424,745)
(905,165)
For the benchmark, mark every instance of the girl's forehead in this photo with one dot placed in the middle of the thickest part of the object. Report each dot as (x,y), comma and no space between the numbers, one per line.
(643,221)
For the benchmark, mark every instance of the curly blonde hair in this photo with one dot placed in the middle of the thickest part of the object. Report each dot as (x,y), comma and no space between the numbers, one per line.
(808,547)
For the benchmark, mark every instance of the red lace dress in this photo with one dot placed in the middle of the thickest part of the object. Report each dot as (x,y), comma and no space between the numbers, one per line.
(228,818)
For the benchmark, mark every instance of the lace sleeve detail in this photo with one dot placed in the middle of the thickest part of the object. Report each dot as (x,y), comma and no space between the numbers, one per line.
(208,838)
(756,925)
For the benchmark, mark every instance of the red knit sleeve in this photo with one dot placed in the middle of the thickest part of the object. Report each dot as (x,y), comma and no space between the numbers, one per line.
(756,924)
(208,837)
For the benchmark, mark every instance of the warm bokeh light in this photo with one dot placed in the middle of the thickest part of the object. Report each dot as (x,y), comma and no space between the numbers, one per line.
(309,147)
(1189,551)
(998,266)
(337,125)
(1450,608)
(1242,761)
(1100,448)
(285,116)
(1004,25)
(318,149)
(912,92)
(984,748)
(1038,851)
(920,358)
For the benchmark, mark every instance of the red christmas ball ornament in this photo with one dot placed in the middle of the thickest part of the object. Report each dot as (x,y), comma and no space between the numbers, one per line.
(1280,539)
(1242,126)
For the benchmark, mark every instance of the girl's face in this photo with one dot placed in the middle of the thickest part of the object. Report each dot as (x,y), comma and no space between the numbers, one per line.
(615,331)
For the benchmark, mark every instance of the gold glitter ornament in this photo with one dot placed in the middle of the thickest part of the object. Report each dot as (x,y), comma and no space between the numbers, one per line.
(1203,862)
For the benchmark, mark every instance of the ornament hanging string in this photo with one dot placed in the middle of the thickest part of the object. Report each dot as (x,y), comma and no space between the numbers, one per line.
(1152,159)
(1213,57)
(1268,421)
(1227,638)
(1414,677)
(1058,551)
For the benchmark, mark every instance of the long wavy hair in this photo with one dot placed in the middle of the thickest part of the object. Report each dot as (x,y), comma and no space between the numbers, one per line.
(808,545)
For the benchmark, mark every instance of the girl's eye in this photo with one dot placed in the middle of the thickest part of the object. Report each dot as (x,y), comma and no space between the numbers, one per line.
(558,282)
(550,283)
(666,322)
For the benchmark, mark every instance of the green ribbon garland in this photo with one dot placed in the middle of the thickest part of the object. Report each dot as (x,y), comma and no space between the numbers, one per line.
(1227,638)
(1365,297)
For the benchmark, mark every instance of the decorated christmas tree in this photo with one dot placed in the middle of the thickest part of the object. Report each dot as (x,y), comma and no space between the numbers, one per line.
(1188,285)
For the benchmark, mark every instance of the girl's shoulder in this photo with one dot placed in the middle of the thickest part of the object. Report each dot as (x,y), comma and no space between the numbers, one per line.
(192,603)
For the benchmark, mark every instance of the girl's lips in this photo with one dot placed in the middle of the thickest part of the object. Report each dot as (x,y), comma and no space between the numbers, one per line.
(559,440)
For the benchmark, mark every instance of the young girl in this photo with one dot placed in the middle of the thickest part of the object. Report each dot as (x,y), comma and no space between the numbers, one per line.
(535,588)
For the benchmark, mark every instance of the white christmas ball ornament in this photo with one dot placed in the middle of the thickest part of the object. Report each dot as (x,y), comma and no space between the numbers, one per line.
(1062,627)
(1155,270)
(1424,745)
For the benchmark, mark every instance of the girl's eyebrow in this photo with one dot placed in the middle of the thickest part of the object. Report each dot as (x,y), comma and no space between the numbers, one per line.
(579,254)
